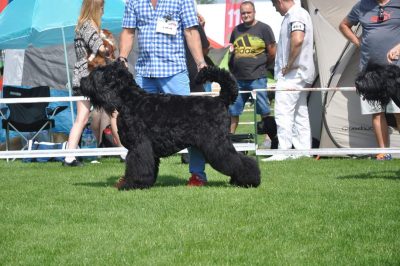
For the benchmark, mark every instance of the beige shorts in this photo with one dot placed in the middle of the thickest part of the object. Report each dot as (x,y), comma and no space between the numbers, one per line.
(367,108)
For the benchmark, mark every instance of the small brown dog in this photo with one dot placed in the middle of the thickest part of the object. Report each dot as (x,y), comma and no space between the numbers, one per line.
(95,60)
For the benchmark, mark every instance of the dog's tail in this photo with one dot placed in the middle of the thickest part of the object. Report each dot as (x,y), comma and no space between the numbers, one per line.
(229,89)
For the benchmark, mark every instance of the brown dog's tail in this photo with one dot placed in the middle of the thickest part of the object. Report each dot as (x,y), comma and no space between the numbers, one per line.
(229,88)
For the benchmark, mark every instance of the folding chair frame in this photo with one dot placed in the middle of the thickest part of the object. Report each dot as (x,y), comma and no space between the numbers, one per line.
(49,124)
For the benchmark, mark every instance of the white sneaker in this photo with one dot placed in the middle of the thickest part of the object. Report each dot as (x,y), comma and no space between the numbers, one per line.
(265,145)
(278,157)
(300,156)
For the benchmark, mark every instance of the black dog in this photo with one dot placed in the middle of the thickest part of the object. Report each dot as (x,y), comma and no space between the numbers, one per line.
(158,125)
(378,84)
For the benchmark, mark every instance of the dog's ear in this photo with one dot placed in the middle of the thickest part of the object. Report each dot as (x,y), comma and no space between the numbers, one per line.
(121,75)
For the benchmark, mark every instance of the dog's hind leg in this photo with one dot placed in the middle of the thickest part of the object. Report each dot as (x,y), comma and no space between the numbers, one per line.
(249,173)
(243,170)
(141,168)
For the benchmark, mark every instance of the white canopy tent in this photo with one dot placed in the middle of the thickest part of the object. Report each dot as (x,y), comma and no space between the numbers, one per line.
(343,125)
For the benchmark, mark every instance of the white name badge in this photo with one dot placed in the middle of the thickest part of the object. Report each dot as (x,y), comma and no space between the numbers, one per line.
(167,26)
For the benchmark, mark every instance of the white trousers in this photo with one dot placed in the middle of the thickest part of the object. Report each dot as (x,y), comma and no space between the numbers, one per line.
(291,115)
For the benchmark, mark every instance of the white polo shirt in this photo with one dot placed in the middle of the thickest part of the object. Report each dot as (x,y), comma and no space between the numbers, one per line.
(297,18)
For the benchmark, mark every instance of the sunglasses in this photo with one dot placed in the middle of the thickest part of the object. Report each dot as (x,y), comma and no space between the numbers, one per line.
(381,15)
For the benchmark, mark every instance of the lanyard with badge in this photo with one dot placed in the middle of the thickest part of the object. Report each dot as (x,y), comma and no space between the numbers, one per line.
(167,25)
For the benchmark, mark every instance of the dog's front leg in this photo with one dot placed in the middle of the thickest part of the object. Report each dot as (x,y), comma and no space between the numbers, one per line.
(141,168)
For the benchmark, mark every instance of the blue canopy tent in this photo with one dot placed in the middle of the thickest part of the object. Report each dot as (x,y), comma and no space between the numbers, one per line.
(44,23)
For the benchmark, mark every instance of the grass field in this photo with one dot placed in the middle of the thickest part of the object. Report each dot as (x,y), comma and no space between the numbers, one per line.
(306,212)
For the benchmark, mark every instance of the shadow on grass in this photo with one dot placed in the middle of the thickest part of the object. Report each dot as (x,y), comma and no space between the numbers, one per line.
(162,181)
(110,182)
(391,175)
(172,181)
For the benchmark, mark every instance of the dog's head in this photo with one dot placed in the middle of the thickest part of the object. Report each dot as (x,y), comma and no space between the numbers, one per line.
(107,86)
(377,83)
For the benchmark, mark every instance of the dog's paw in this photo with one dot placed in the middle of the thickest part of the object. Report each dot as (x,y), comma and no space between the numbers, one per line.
(125,184)
(245,184)
(121,184)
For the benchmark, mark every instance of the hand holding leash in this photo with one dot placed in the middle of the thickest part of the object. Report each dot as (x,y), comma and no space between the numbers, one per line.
(201,64)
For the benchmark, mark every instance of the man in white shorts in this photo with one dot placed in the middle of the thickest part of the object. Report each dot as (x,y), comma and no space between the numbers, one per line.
(380,32)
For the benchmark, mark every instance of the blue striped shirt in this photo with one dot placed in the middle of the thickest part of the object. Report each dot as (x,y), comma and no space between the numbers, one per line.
(160,55)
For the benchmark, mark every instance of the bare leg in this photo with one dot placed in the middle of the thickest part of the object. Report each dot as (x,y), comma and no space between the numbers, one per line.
(234,123)
(82,117)
(397,117)
(380,126)
(114,131)
(114,128)
(95,125)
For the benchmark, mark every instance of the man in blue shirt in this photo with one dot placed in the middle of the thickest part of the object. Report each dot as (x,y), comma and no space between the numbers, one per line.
(161,66)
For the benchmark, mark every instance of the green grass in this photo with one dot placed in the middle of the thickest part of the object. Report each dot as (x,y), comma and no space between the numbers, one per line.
(306,212)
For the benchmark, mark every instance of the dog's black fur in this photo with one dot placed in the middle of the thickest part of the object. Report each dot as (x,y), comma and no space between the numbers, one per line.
(378,84)
(152,126)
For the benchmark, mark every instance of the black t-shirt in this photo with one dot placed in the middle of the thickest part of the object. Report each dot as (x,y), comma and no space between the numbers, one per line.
(191,64)
(249,59)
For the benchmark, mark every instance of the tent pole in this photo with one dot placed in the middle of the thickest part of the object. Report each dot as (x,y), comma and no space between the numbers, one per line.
(68,77)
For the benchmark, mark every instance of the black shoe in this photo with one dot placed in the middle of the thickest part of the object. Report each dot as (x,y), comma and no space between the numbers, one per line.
(74,163)
(185,158)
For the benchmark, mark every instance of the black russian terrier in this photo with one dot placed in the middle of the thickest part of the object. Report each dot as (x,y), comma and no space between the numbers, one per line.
(378,84)
(152,126)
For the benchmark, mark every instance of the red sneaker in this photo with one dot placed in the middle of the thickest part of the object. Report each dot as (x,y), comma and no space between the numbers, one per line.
(195,181)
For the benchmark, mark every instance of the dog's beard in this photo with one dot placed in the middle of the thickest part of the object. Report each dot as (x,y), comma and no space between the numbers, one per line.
(107,101)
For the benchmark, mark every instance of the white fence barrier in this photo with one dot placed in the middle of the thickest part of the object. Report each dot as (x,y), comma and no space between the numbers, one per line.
(238,146)
(80,98)
(328,151)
